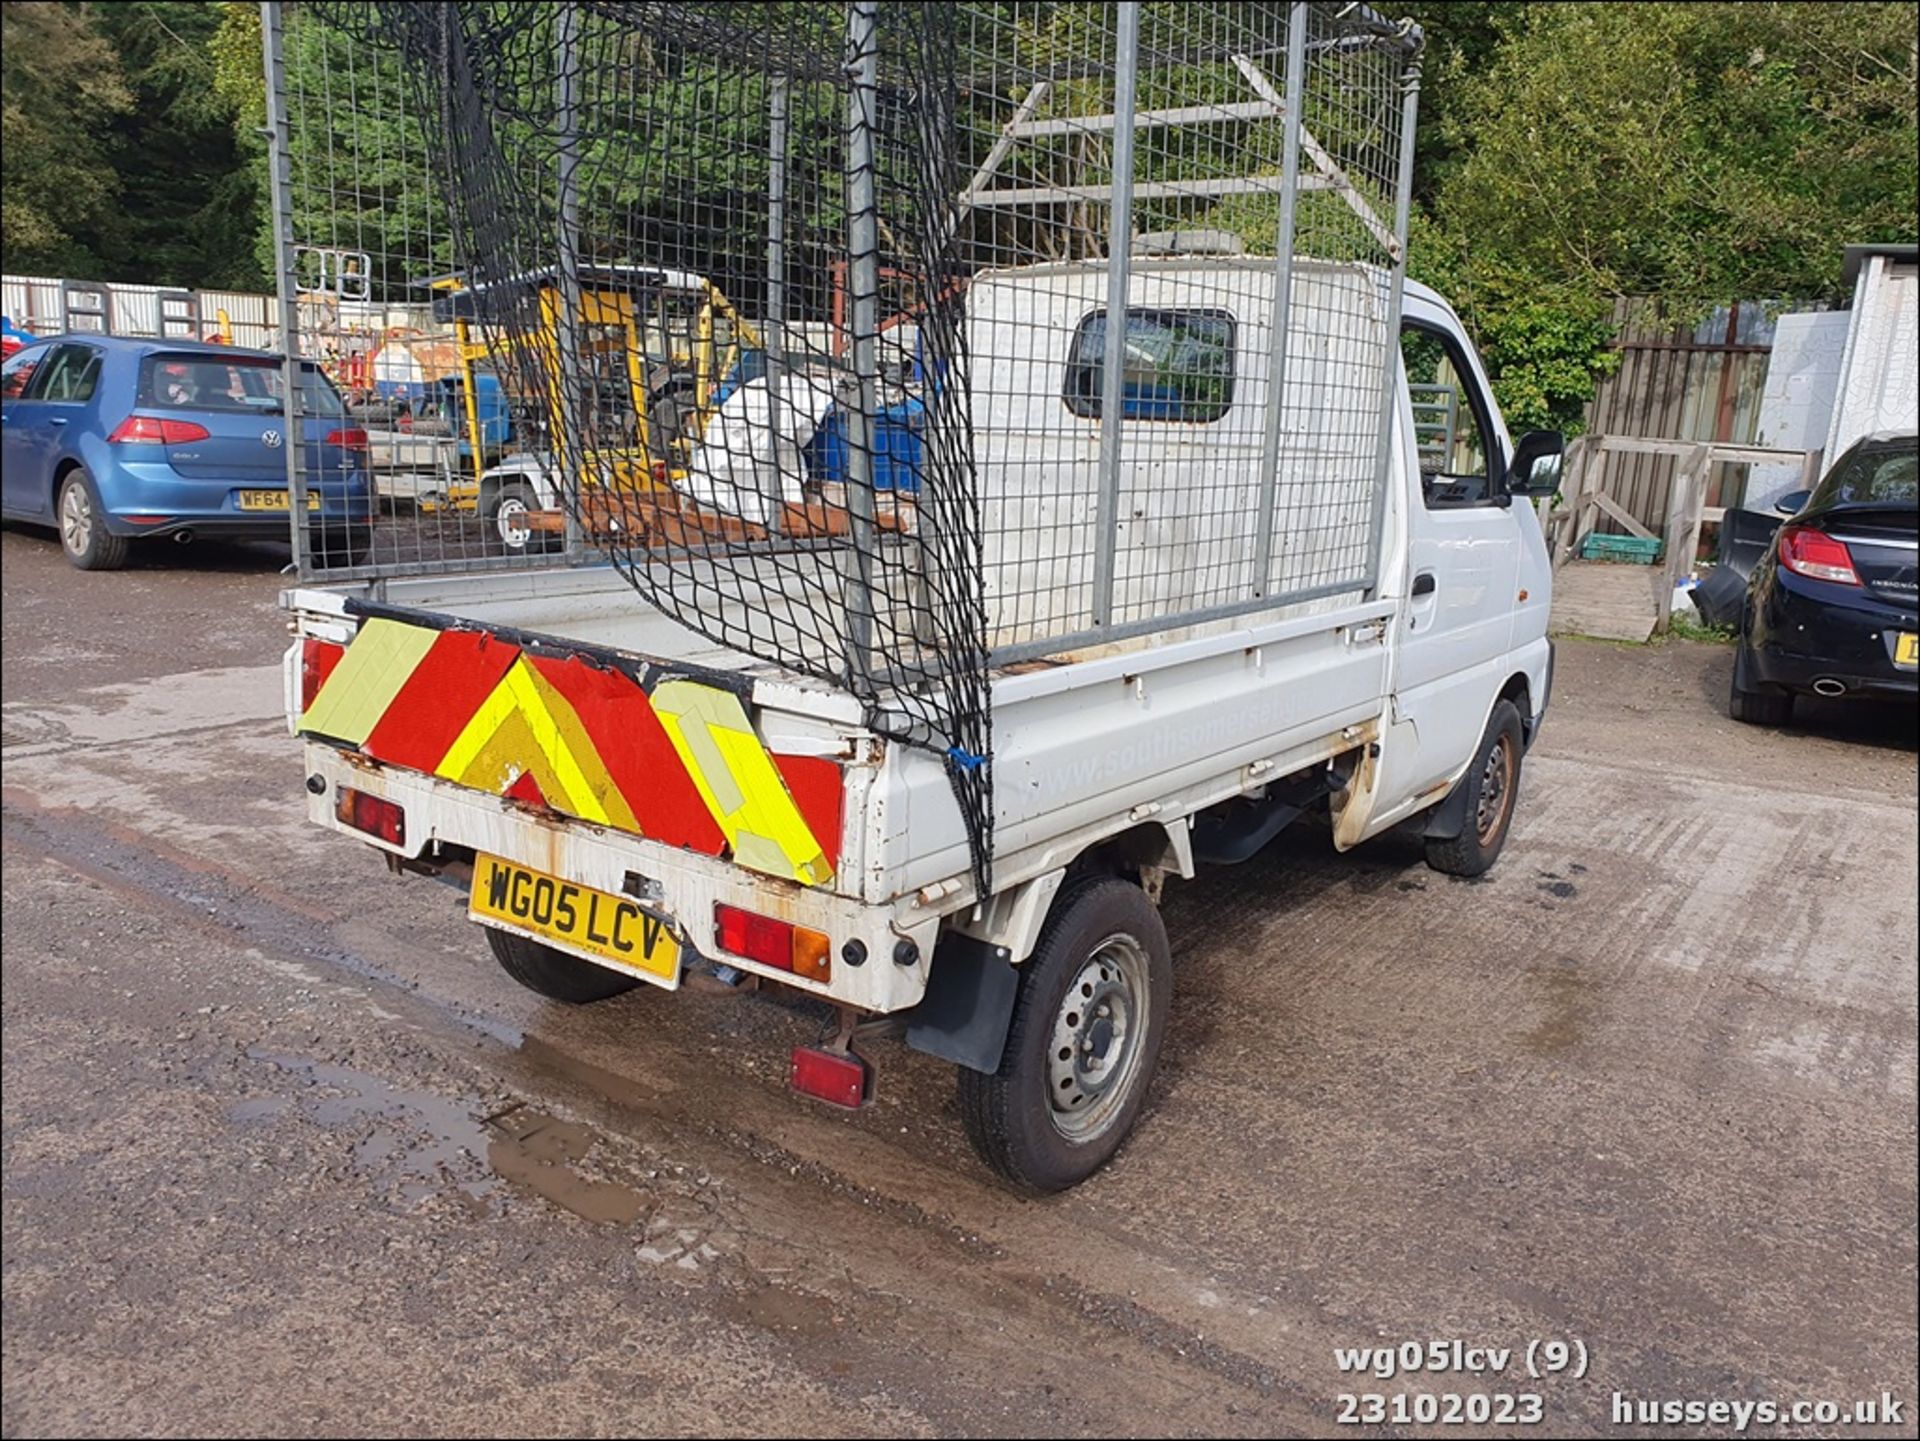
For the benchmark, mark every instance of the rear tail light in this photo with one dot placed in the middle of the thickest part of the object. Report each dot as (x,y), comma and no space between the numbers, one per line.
(836,1076)
(317,660)
(376,816)
(1816,555)
(780,944)
(348,439)
(152,430)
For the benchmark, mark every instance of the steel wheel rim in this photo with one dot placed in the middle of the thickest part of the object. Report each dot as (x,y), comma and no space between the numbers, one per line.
(1496,790)
(509,518)
(76,519)
(1094,1052)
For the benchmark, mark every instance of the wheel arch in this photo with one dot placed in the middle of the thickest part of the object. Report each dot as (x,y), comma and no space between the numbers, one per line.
(1448,819)
(65,466)
(1519,690)
(974,980)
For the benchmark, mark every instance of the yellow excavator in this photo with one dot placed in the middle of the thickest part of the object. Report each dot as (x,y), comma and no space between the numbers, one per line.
(658,350)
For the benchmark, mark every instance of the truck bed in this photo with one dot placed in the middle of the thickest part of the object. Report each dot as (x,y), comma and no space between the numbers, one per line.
(1084,744)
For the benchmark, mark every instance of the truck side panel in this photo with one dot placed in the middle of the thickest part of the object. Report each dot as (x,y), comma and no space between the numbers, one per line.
(1092,748)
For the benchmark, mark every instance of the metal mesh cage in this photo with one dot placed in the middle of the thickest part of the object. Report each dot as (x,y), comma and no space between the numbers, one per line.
(801,316)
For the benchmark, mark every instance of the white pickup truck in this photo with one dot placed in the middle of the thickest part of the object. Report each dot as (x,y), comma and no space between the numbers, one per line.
(626,803)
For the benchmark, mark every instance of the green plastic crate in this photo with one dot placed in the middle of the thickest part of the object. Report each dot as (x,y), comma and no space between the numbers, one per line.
(1631,549)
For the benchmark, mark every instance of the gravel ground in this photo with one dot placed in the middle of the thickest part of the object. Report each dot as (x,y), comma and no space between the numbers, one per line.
(284,1152)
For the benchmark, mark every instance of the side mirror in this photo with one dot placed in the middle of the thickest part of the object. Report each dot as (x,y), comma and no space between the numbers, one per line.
(1537,461)
(1793,502)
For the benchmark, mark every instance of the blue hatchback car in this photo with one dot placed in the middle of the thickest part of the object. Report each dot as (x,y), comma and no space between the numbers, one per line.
(110,440)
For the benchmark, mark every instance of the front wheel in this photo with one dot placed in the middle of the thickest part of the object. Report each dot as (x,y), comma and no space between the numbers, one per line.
(1492,782)
(1083,1044)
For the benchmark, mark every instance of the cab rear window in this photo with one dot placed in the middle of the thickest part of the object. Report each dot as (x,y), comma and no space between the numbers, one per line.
(204,382)
(1179,365)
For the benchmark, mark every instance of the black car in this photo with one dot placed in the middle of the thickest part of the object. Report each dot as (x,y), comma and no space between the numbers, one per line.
(1831,608)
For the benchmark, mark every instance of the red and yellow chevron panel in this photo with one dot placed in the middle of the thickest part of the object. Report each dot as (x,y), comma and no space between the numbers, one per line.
(682,764)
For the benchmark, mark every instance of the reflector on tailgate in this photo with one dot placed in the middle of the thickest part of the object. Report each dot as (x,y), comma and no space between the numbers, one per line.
(678,760)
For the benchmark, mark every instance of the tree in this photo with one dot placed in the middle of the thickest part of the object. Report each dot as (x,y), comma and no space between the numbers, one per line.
(190,213)
(1700,154)
(1463,38)
(61,85)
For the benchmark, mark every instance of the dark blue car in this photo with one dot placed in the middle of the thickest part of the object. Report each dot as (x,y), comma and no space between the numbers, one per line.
(111,440)
(1833,608)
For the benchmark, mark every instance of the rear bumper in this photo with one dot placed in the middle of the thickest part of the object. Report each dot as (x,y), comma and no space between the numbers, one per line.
(1809,636)
(1814,675)
(681,886)
(145,498)
(219,525)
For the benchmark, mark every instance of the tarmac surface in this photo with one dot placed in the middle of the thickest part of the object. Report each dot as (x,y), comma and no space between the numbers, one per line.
(285,1152)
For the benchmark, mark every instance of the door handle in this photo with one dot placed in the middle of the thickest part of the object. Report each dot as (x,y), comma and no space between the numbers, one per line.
(1424,583)
(57,420)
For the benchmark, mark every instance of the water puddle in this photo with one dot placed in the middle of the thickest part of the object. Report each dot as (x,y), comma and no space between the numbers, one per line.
(418,1143)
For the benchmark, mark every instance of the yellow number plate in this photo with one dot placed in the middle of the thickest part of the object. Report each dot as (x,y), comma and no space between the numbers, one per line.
(607,927)
(273,500)
(1906,649)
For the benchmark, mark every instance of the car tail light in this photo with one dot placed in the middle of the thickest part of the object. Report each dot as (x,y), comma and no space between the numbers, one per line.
(317,660)
(348,439)
(836,1076)
(377,817)
(152,430)
(1816,555)
(772,943)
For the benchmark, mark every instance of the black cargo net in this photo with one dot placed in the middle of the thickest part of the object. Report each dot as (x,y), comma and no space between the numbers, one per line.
(798,314)
(704,247)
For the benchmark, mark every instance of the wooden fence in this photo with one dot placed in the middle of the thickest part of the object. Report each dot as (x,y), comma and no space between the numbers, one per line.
(1698,384)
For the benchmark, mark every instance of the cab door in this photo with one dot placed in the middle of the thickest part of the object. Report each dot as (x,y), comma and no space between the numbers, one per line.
(1464,548)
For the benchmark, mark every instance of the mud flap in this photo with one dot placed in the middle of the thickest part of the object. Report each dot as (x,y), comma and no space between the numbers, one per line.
(1448,819)
(968,1005)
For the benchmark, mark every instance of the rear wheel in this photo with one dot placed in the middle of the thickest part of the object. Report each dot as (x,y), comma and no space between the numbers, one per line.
(554,974)
(1492,782)
(1083,1044)
(83,527)
(1755,705)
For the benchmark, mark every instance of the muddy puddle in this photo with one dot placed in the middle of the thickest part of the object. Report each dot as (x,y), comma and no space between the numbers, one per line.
(417,1144)
(539,1151)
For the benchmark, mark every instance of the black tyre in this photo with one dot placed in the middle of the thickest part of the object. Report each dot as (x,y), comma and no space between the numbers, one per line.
(1755,705)
(506,520)
(554,974)
(1083,1045)
(83,526)
(1492,782)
